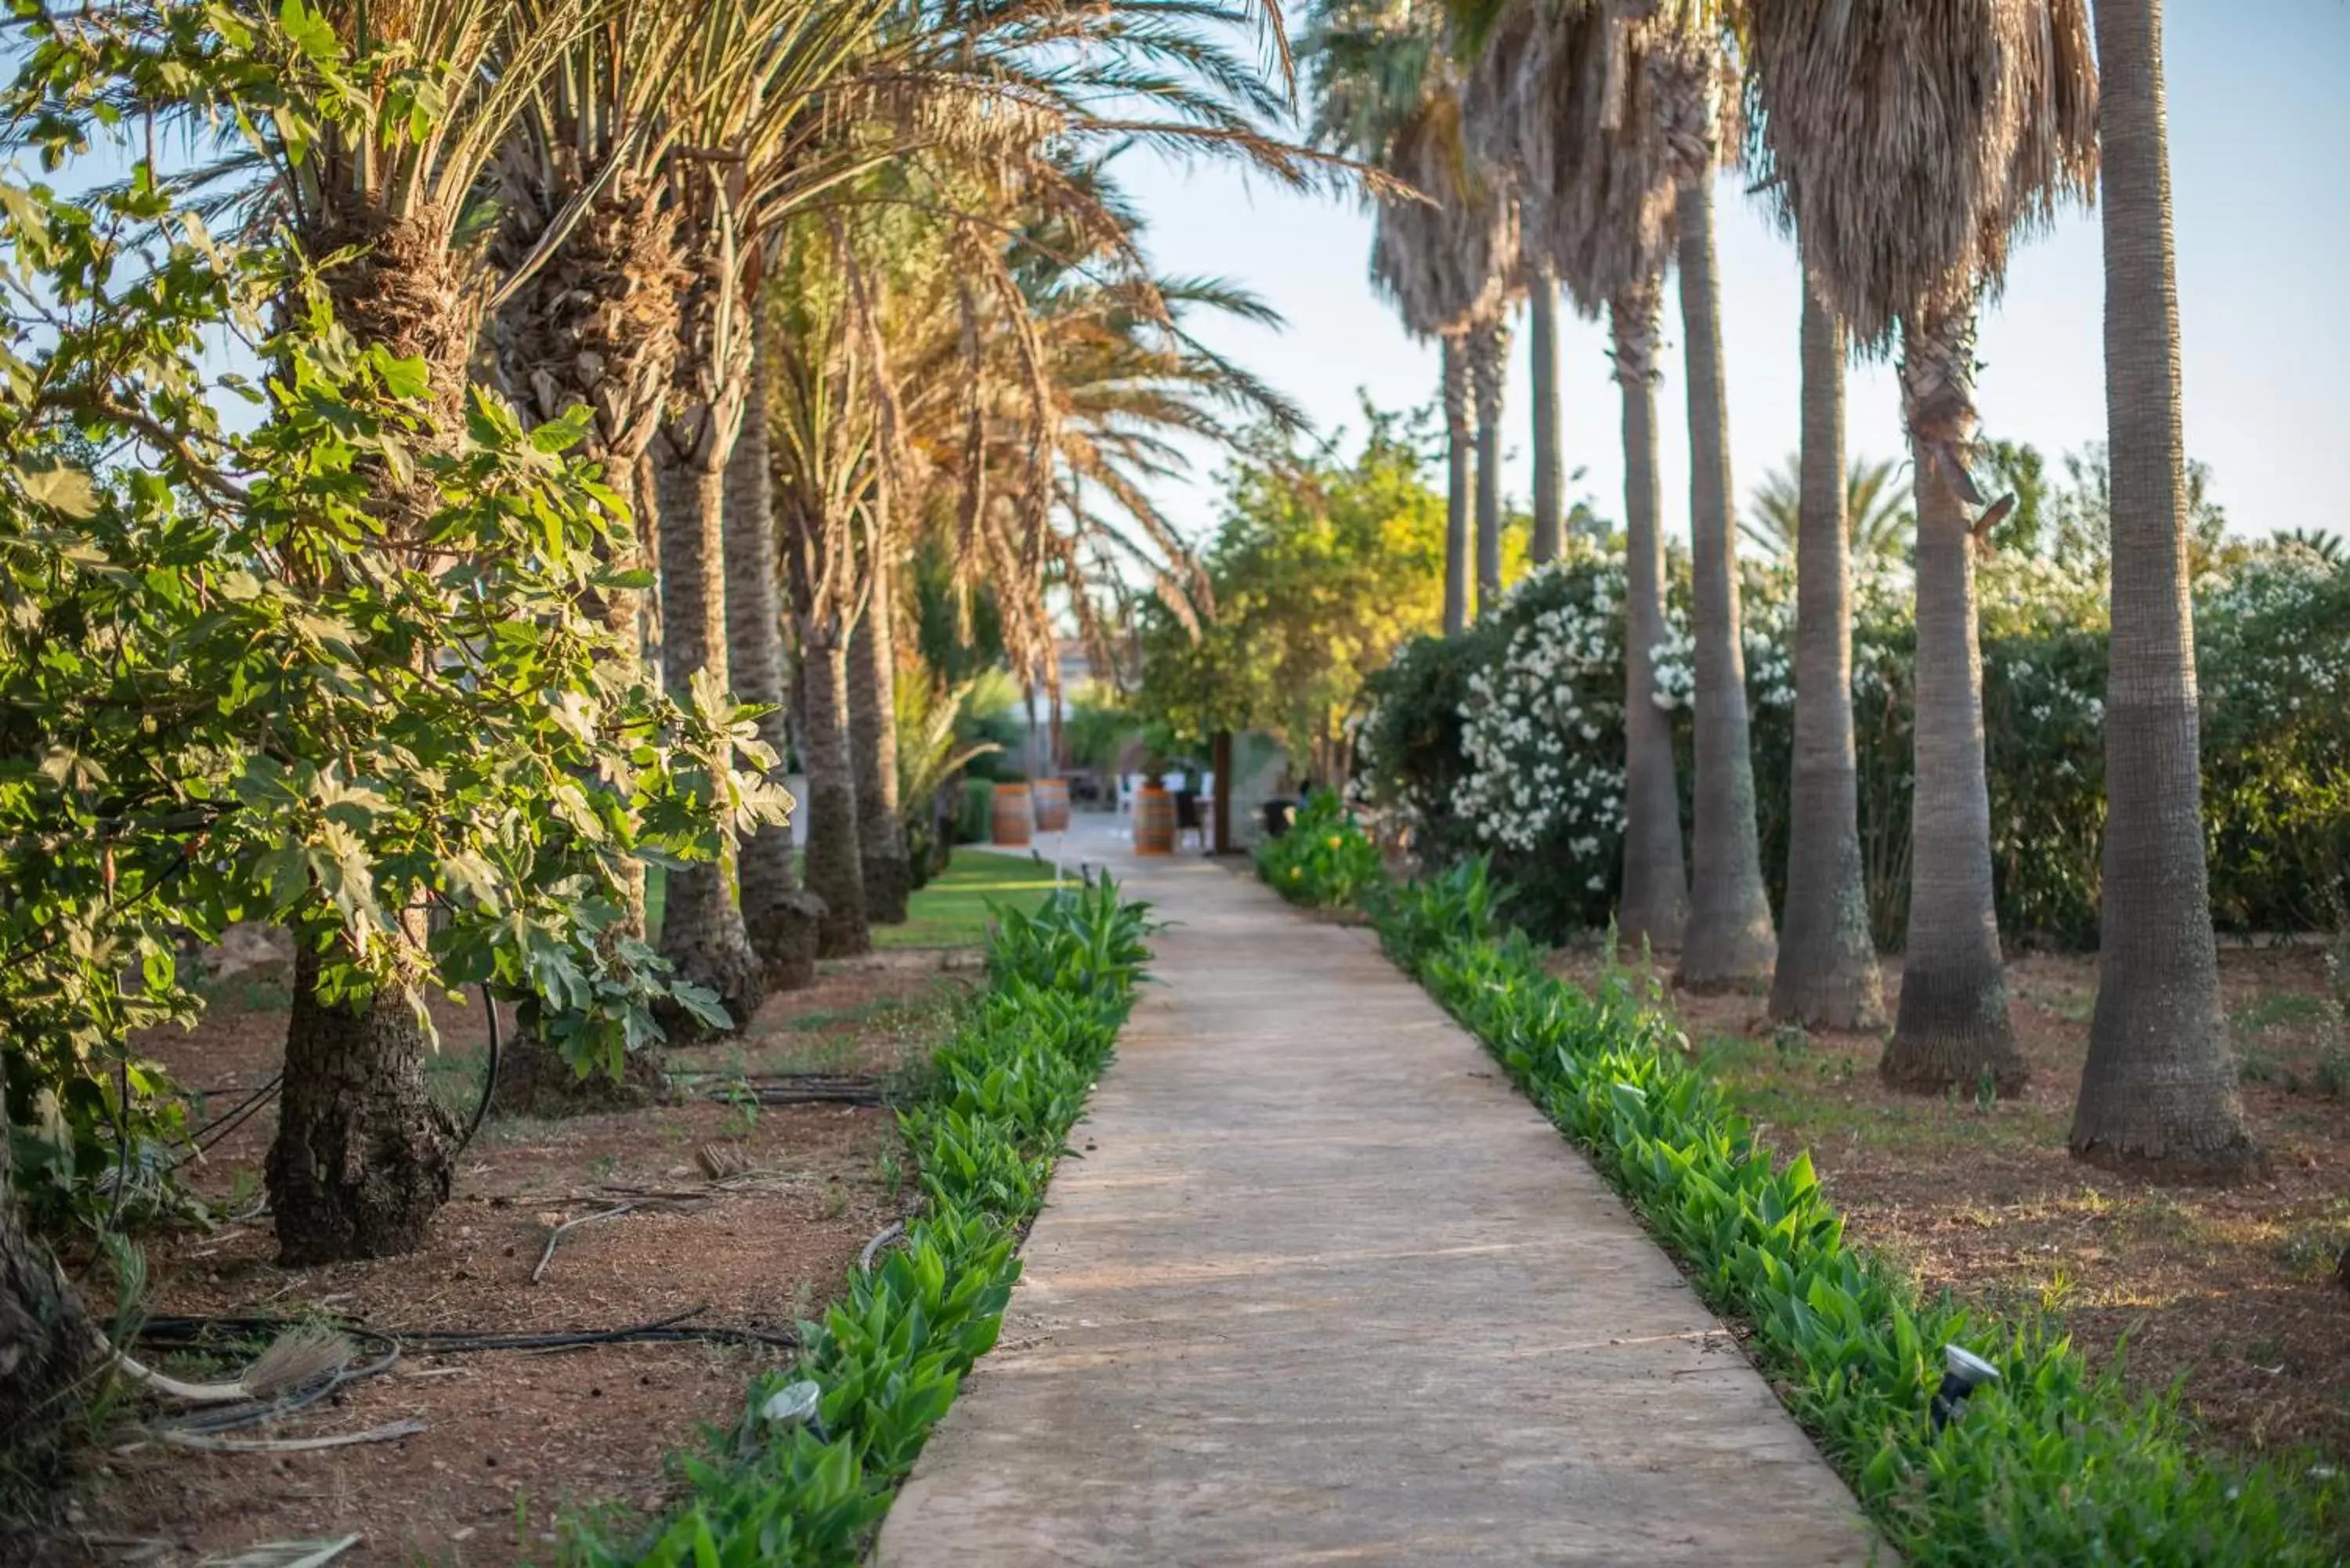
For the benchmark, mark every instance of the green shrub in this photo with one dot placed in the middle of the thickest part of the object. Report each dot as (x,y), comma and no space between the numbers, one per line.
(1507,739)
(1326,861)
(976,821)
(2049,1464)
(889,1356)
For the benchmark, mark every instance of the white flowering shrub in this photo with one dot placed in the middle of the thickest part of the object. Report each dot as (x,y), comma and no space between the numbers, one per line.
(1508,739)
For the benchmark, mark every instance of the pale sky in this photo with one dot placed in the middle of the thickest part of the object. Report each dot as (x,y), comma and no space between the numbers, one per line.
(2259,123)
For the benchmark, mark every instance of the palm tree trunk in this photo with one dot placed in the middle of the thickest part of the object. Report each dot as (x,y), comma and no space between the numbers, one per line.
(780,919)
(49,1350)
(361,1159)
(1457,480)
(1549,469)
(836,870)
(702,933)
(1489,348)
(873,731)
(1729,941)
(1654,907)
(2160,1085)
(1951,1027)
(1826,975)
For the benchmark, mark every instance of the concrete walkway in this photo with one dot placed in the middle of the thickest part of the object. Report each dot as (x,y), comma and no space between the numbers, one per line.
(1325,1288)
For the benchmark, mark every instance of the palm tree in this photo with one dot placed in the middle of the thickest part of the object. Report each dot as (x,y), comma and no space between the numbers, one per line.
(1729,940)
(873,729)
(1385,92)
(361,1157)
(1827,974)
(1876,503)
(1489,351)
(781,918)
(1980,118)
(1542,314)
(2160,1085)
(1597,181)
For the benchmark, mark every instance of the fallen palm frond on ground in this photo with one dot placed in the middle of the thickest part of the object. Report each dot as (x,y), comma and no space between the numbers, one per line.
(809,1469)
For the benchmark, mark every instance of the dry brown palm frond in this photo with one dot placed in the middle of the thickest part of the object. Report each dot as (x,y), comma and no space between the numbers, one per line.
(1908,142)
(1447,256)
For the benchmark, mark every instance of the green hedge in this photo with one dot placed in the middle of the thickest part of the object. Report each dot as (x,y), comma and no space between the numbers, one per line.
(888,1357)
(2048,1465)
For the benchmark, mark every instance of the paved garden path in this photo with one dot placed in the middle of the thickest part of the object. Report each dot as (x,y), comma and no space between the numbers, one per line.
(1325,1288)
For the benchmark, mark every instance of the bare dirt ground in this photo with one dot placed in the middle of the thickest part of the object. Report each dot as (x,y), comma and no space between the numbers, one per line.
(2232,1293)
(512,1440)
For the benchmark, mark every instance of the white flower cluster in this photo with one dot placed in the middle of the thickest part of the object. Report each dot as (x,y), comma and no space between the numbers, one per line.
(1542,733)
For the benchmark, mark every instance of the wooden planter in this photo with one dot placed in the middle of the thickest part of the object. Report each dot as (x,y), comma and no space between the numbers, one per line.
(1154,821)
(1012,818)
(1052,806)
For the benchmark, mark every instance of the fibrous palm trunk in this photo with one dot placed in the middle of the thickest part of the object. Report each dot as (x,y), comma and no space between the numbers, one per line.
(780,918)
(1549,470)
(702,931)
(1826,975)
(836,868)
(597,327)
(48,1351)
(1951,1027)
(1654,907)
(1457,444)
(1729,940)
(2160,1087)
(873,731)
(361,1160)
(1489,350)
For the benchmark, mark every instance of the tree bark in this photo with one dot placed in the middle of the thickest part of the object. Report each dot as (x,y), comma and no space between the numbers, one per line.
(1826,975)
(835,869)
(702,933)
(780,919)
(361,1160)
(1549,467)
(873,731)
(1729,941)
(1457,446)
(361,1157)
(2160,1088)
(1489,348)
(1654,909)
(50,1353)
(1951,1028)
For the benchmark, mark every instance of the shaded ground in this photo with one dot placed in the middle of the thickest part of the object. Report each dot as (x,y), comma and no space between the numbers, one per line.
(753,1214)
(2232,1291)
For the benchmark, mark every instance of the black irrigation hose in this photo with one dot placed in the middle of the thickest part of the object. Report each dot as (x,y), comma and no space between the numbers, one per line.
(184,1333)
(489,1077)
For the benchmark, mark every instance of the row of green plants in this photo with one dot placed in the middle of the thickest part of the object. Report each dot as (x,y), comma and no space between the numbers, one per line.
(2049,1463)
(1326,861)
(804,1477)
(1507,739)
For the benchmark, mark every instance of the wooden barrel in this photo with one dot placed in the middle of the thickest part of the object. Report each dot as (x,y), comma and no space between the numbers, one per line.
(1154,821)
(1052,806)
(1013,819)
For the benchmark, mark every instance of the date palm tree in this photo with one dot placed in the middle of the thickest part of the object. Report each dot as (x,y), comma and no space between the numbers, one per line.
(2160,1085)
(1979,118)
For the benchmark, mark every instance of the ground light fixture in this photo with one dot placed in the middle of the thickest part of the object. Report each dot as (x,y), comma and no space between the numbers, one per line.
(1962,1371)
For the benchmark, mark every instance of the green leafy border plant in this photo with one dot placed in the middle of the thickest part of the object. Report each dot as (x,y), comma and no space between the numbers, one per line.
(2049,1464)
(782,1490)
(1324,861)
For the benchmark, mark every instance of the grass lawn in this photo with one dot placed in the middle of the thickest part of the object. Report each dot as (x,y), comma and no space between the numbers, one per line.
(952,912)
